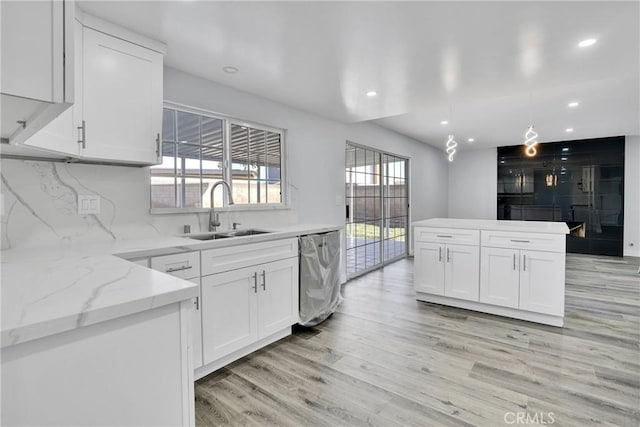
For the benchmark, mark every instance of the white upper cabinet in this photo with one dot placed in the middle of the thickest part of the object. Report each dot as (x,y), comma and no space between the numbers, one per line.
(121,100)
(37,58)
(117,116)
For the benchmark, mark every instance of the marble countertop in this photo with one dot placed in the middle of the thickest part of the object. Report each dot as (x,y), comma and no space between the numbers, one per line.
(53,289)
(495,225)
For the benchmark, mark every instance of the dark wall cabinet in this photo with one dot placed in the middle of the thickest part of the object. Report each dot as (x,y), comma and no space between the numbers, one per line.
(578,182)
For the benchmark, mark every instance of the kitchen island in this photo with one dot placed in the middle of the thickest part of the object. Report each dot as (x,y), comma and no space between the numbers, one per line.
(508,268)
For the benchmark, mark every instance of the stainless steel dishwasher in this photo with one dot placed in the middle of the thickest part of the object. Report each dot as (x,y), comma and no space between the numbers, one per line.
(319,277)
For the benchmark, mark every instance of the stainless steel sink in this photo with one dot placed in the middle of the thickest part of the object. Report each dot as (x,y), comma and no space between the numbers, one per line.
(208,236)
(240,233)
(227,234)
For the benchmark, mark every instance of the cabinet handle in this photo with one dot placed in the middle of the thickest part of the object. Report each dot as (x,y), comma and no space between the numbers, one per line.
(264,280)
(82,134)
(514,261)
(439,235)
(524,263)
(440,254)
(448,258)
(197,303)
(521,241)
(255,282)
(158,146)
(184,267)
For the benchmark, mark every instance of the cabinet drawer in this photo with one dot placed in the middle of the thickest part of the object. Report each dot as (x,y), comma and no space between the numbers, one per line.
(520,240)
(447,235)
(184,266)
(231,258)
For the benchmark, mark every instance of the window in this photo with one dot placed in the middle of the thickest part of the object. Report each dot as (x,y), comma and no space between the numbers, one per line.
(196,149)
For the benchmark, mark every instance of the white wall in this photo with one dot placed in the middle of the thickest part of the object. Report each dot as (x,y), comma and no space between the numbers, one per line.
(473,184)
(632,196)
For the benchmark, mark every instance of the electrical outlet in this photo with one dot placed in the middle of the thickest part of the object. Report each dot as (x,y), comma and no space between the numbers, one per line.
(88,204)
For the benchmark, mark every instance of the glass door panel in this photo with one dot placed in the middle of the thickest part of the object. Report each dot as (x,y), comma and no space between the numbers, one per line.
(377,208)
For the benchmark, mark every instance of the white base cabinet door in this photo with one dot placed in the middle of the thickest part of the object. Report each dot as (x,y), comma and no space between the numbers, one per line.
(229,312)
(461,272)
(500,272)
(539,287)
(278,299)
(428,268)
(241,307)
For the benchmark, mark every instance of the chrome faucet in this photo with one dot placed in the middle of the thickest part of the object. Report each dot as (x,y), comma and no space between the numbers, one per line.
(214,219)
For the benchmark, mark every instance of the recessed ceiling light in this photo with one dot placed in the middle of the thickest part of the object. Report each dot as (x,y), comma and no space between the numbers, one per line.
(563,159)
(471,139)
(444,122)
(372,93)
(573,104)
(565,148)
(568,130)
(587,42)
(229,69)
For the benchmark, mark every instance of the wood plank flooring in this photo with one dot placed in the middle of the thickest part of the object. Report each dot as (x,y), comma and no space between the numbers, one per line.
(385,359)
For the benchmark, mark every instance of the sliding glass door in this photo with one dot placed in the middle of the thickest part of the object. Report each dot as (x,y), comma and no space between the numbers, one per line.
(377,208)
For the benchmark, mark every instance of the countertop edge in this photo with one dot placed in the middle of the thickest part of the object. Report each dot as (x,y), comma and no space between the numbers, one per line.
(492,225)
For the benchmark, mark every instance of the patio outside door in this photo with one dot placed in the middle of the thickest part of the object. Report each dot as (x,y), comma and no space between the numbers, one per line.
(377,208)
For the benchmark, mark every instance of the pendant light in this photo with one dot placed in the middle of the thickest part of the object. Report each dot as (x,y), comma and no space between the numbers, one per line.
(451,147)
(530,136)
(451,143)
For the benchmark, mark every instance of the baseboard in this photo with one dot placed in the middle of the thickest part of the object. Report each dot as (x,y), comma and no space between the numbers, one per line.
(545,319)
(631,252)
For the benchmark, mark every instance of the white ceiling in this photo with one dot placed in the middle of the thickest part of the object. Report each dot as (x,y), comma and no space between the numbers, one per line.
(487,67)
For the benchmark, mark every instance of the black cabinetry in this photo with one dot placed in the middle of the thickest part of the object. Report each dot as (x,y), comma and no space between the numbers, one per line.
(578,182)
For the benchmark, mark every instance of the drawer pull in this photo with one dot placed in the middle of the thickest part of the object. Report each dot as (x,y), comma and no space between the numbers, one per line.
(442,235)
(184,267)
(520,241)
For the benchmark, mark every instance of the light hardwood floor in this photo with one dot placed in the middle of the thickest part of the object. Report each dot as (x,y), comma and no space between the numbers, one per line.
(385,359)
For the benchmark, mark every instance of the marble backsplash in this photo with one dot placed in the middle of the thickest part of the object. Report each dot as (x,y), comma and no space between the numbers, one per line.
(39,206)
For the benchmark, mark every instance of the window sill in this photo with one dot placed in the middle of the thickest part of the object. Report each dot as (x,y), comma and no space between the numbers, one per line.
(235,208)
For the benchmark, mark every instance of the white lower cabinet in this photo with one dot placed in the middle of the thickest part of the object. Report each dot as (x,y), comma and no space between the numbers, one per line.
(447,269)
(523,279)
(500,277)
(428,268)
(540,290)
(241,307)
(462,268)
(229,313)
(515,274)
